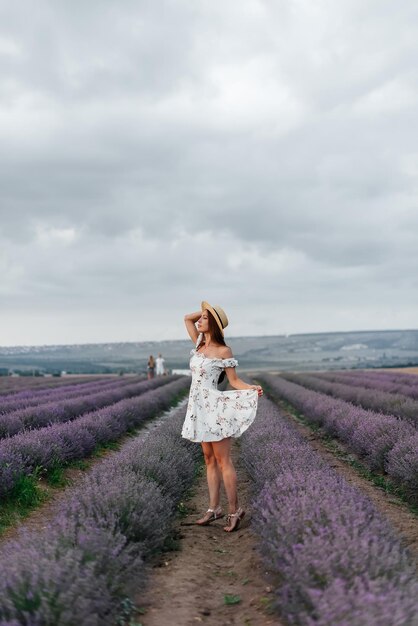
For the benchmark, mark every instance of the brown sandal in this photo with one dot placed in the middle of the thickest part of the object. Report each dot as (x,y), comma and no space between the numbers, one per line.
(214,514)
(233,520)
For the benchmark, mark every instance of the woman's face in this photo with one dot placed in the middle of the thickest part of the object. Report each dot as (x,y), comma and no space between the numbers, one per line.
(203,322)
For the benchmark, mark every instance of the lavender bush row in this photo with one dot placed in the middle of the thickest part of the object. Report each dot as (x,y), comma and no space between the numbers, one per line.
(31,398)
(387,403)
(403,378)
(9,385)
(29,390)
(370,382)
(338,561)
(93,554)
(384,442)
(65,410)
(56,445)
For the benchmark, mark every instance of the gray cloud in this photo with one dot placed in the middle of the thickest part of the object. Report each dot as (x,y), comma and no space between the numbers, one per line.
(258,154)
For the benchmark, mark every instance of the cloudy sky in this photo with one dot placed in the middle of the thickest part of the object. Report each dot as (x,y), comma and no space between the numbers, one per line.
(259,154)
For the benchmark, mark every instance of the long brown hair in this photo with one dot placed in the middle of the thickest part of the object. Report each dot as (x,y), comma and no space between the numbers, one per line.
(214,331)
(217,336)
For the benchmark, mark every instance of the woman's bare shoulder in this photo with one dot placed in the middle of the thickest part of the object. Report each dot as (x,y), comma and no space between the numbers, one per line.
(225,352)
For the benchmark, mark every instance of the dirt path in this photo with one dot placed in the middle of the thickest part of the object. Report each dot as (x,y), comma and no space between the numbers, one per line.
(189,586)
(402,520)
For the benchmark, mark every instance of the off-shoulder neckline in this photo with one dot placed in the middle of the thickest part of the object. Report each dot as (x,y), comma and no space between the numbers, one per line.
(208,358)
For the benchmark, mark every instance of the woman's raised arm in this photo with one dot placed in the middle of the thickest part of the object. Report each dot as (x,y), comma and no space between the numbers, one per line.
(190,320)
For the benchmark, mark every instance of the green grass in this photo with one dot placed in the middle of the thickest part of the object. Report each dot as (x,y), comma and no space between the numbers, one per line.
(230,600)
(336,447)
(171,543)
(127,611)
(182,509)
(81,465)
(55,477)
(25,497)
(267,604)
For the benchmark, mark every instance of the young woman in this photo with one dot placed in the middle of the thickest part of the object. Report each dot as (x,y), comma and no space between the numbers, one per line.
(213,417)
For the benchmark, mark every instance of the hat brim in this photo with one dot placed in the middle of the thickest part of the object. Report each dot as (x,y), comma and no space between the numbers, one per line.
(208,307)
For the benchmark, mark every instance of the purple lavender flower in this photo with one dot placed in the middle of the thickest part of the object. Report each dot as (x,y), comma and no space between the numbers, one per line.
(371,435)
(320,537)
(54,445)
(373,398)
(93,553)
(63,409)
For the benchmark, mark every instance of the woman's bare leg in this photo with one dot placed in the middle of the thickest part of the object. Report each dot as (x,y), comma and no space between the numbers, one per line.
(222,451)
(213,476)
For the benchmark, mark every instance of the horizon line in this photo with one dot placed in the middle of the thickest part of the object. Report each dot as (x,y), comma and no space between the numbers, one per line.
(283,334)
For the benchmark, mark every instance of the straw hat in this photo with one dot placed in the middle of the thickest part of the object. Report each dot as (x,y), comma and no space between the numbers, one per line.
(218,313)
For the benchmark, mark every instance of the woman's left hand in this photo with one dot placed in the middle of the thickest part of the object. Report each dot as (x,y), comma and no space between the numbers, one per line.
(258,389)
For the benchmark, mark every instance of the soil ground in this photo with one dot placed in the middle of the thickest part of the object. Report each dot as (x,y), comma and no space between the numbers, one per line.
(189,586)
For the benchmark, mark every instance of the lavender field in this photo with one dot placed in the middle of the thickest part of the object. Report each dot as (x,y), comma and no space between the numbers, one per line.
(333,557)
(83,566)
(10,384)
(52,434)
(385,442)
(336,560)
(78,568)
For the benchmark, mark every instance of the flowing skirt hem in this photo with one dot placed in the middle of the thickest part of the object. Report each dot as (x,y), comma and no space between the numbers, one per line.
(208,437)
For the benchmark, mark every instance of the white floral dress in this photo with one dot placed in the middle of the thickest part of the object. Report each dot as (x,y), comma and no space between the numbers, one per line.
(211,414)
